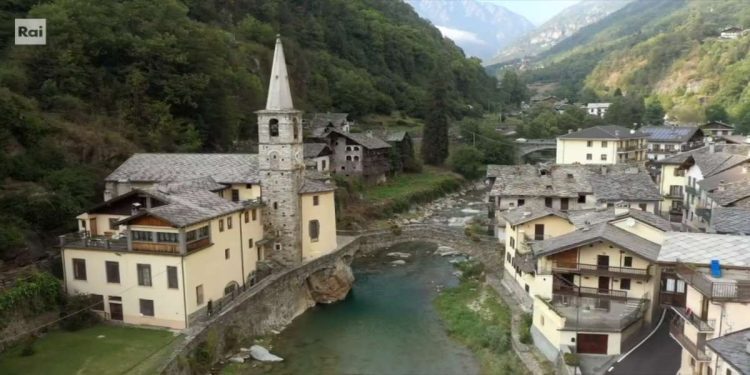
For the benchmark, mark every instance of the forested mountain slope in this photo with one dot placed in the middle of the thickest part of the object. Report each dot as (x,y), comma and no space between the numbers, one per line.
(121,76)
(668,50)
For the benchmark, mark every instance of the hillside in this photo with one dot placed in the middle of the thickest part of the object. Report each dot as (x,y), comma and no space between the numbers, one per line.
(119,77)
(560,27)
(666,50)
(479,28)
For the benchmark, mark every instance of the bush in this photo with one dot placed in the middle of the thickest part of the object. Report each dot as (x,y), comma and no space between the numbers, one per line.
(496,339)
(525,336)
(79,309)
(471,269)
(467,161)
(571,359)
(37,294)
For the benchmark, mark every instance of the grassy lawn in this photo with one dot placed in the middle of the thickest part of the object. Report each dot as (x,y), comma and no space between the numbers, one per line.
(407,184)
(121,350)
(476,316)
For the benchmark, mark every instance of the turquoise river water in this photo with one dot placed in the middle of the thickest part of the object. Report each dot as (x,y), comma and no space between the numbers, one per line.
(387,324)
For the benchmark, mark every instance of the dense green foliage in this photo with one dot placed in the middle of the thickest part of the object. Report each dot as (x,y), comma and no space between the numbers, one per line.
(544,123)
(474,315)
(39,293)
(667,51)
(482,135)
(467,161)
(174,76)
(435,135)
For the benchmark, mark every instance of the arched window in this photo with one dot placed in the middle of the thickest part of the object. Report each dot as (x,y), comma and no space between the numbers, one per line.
(232,288)
(348,148)
(356,158)
(348,158)
(273,127)
(314,230)
(251,279)
(296,128)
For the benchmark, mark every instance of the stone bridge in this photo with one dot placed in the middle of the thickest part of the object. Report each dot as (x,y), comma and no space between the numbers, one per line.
(533,145)
(276,300)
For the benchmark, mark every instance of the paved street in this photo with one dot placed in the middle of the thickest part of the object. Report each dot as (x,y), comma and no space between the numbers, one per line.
(660,354)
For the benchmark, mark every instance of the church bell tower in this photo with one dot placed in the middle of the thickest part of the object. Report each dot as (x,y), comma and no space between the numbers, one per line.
(281,165)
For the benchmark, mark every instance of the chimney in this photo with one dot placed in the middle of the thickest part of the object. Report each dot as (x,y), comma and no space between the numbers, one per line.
(136,207)
(571,131)
(621,208)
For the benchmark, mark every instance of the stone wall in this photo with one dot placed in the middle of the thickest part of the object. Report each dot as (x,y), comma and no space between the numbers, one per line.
(276,300)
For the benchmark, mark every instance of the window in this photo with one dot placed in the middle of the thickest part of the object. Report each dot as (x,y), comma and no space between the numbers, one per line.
(589,143)
(356,158)
(625,284)
(348,148)
(588,157)
(144,274)
(548,202)
(296,129)
(255,214)
(166,237)
(250,243)
(260,253)
(221,193)
(221,225)
(229,222)
(226,254)
(235,195)
(139,235)
(627,262)
(248,186)
(521,202)
(199,294)
(273,127)
(348,158)
(581,198)
(316,200)
(507,257)
(147,307)
(314,230)
(247,216)
(99,300)
(512,243)
(172,277)
(563,204)
(604,143)
(277,246)
(275,205)
(79,269)
(83,224)
(604,157)
(642,206)
(113,272)
(680,286)
(679,172)
(729,372)
(113,224)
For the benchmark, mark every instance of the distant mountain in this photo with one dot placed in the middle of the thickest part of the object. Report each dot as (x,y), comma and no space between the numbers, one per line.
(563,25)
(479,28)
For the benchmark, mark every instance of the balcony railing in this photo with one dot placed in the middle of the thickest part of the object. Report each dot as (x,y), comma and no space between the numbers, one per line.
(698,352)
(690,317)
(674,195)
(85,241)
(562,288)
(156,247)
(599,269)
(735,290)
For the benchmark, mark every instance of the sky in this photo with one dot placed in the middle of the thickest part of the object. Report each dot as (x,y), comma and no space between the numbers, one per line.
(536,11)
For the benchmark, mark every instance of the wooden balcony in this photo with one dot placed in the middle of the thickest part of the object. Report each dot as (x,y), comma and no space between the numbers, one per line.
(574,290)
(696,351)
(735,290)
(199,244)
(601,270)
(156,247)
(83,240)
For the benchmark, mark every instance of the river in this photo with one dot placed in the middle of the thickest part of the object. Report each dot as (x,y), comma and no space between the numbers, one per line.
(387,324)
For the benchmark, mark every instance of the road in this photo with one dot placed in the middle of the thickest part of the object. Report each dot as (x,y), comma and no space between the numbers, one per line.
(660,354)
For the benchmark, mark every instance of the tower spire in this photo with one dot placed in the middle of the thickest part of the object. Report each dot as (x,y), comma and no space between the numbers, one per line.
(279,94)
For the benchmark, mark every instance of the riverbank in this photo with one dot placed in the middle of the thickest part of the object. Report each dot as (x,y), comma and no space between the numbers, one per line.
(476,316)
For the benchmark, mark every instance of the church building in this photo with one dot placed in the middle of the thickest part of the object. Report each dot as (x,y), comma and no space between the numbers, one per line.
(179,235)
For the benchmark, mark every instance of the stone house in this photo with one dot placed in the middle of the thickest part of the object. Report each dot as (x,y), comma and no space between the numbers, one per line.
(317,157)
(179,234)
(664,141)
(597,109)
(716,130)
(360,155)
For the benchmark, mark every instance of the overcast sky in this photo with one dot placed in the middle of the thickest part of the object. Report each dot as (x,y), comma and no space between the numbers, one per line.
(537,11)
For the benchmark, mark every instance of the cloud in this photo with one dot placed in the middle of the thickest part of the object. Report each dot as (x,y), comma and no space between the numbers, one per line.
(460,36)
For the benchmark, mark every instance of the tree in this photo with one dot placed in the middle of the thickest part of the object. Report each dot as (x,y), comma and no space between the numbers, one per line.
(435,137)
(467,161)
(513,89)
(617,93)
(654,113)
(716,112)
(626,111)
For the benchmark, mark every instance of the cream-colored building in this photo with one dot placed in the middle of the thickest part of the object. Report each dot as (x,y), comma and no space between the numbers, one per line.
(717,304)
(609,144)
(180,234)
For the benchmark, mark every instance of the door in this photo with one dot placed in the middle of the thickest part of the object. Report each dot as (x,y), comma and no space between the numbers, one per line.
(602,262)
(538,232)
(92,227)
(591,344)
(563,204)
(115,311)
(603,284)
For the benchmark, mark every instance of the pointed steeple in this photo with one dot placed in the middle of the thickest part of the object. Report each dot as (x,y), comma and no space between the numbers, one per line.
(279,94)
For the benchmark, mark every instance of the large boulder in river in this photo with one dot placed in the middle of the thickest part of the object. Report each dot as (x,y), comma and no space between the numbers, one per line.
(262,354)
(331,284)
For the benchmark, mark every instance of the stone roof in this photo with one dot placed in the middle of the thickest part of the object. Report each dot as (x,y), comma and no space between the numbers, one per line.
(610,183)
(598,232)
(591,216)
(711,163)
(604,132)
(279,93)
(201,183)
(729,149)
(670,134)
(625,187)
(365,140)
(223,168)
(310,186)
(397,136)
(701,248)
(313,150)
(524,214)
(649,218)
(736,139)
(731,192)
(731,220)
(732,348)
(321,120)
(716,125)
(734,174)
(598,105)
